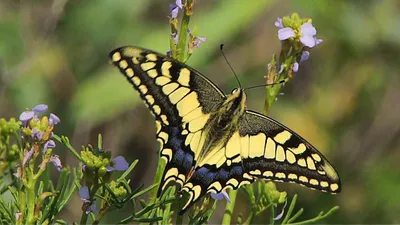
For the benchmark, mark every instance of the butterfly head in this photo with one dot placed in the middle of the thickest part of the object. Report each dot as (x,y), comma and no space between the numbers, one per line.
(235,103)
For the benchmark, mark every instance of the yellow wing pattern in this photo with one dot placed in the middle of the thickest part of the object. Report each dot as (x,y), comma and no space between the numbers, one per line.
(265,149)
(182,100)
(178,96)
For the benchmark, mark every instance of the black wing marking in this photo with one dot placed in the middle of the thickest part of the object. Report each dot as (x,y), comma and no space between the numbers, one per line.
(277,153)
(176,95)
(262,148)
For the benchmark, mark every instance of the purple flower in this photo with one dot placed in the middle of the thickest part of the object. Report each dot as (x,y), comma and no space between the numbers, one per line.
(280,215)
(84,194)
(37,135)
(41,108)
(48,144)
(55,159)
(295,67)
(118,163)
(304,56)
(198,41)
(278,23)
(285,33)
(308,33)
(221,195)
(27,156)
(25,117)
(175,37)
(174,8)
(85,197)
(53,119)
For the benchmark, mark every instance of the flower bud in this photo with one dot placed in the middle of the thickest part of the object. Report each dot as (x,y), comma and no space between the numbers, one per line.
(102,171)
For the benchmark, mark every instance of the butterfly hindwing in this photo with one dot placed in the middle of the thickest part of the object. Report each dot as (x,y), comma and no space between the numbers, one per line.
(262,148)
(219,172)
(178,96)
(275,152)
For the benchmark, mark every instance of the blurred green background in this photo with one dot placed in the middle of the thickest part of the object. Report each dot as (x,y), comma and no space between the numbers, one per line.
(345,99)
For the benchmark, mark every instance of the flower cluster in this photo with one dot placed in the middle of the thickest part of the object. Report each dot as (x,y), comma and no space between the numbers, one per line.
(179,36)
(298,37)
(7,130)
(36,134)
(97,168)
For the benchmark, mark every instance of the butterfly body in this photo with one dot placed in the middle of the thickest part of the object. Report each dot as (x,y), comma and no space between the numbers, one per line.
(211,141)
(222,124)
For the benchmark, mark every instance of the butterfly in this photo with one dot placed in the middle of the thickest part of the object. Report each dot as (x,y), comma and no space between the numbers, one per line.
(210,141)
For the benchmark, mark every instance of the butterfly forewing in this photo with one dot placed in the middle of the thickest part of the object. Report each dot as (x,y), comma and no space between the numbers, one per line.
(178,96)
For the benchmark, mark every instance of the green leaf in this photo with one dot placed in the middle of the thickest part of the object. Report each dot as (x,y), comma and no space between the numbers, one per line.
(129,170)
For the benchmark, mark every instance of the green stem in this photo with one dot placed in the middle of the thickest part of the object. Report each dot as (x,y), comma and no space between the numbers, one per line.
(68,145)
(31,198)
(270,95)
(183,33)
(84,218)
(157,180)
(318,218)
(22,205)
(229,207)
(250,218)
(179,220)
(271,218)
(290,210)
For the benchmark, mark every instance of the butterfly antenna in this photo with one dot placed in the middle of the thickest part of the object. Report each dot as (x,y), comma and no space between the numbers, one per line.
(223,54)
(266,85)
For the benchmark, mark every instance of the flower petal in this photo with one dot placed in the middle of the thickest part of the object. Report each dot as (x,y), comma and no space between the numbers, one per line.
(55,159)
(84,194)
(318,41)
(120,164)
(221,195)
(308,29)
(179,3)
(175,37)
(41,108)
(93,208)
(37,135)
(53,119)
(27,156)
(295,67)
(198,41)
(304,56)
(49,144)
(25,116)
(308,41)
(280,215)
(278,22)
(174,11)
(285,33)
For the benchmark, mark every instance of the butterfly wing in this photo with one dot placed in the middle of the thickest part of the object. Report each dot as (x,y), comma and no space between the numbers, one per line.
(262,148)
(178,96)
(275,152)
